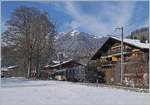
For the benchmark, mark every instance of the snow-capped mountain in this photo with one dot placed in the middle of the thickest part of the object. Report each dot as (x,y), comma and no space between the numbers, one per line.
(74,32)
(78,45)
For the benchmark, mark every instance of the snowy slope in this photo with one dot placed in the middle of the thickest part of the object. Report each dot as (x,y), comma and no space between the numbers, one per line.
(26,92)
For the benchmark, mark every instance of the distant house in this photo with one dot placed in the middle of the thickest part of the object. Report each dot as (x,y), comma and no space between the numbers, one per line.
(135,72)
(4,72)
(12,71)
(64,71)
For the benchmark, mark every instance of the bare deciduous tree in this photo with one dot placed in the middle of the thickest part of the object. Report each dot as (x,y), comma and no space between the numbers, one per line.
(31,33)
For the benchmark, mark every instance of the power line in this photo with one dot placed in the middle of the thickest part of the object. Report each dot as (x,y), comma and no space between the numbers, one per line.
(145,19)
(111,33)
(135,25)
(135,22)
(127,26)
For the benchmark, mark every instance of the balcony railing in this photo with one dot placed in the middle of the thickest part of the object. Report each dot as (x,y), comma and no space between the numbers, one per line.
(119,51)
(126,60)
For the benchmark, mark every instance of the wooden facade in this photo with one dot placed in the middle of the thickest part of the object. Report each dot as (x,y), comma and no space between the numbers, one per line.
(12,71)
(135,66)
(59,70)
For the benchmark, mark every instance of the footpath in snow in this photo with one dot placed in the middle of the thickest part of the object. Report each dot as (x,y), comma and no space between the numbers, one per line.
(20,91)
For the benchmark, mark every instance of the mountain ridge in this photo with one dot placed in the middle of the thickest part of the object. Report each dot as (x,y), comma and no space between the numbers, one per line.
(78,45)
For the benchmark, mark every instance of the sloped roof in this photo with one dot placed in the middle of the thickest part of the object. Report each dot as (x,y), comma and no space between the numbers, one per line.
(62,64)
(13,67)
(133,42)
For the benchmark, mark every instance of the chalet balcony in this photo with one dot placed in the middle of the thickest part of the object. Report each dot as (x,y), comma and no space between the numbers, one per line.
(132,59)
(126,61)
(119,51)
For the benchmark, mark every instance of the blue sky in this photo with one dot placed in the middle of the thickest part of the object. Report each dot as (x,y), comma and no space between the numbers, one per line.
(98,18)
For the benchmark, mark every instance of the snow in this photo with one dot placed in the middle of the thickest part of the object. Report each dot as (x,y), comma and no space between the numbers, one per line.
(4,69)
(11,67)
(21,91)
(58,64)
(56,61)
(61,63)
(74,32)
(59,35)
(134,42)
(137,43)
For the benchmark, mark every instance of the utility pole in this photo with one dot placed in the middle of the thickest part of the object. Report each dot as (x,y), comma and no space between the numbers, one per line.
(122,57)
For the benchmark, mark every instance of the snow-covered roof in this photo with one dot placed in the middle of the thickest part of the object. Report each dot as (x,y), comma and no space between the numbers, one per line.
(134,42)
(8,68)
(55,61)
(58,64)
(4,69)
(11,67)
(61,63)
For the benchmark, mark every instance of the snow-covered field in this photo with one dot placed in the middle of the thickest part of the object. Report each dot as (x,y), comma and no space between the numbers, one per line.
(20,91)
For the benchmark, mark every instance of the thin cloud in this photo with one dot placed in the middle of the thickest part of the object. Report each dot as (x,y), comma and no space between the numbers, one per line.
(118,15)
(131,28)
(74,24)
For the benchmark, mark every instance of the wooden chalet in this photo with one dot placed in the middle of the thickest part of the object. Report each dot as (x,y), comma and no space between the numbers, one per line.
(50,70)
(135,56)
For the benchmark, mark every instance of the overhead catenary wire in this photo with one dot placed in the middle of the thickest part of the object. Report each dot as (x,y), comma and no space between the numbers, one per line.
(135,22)
(137,25)
(145,19)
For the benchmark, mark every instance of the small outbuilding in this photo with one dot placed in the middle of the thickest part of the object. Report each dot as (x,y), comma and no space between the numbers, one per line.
(69,70)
